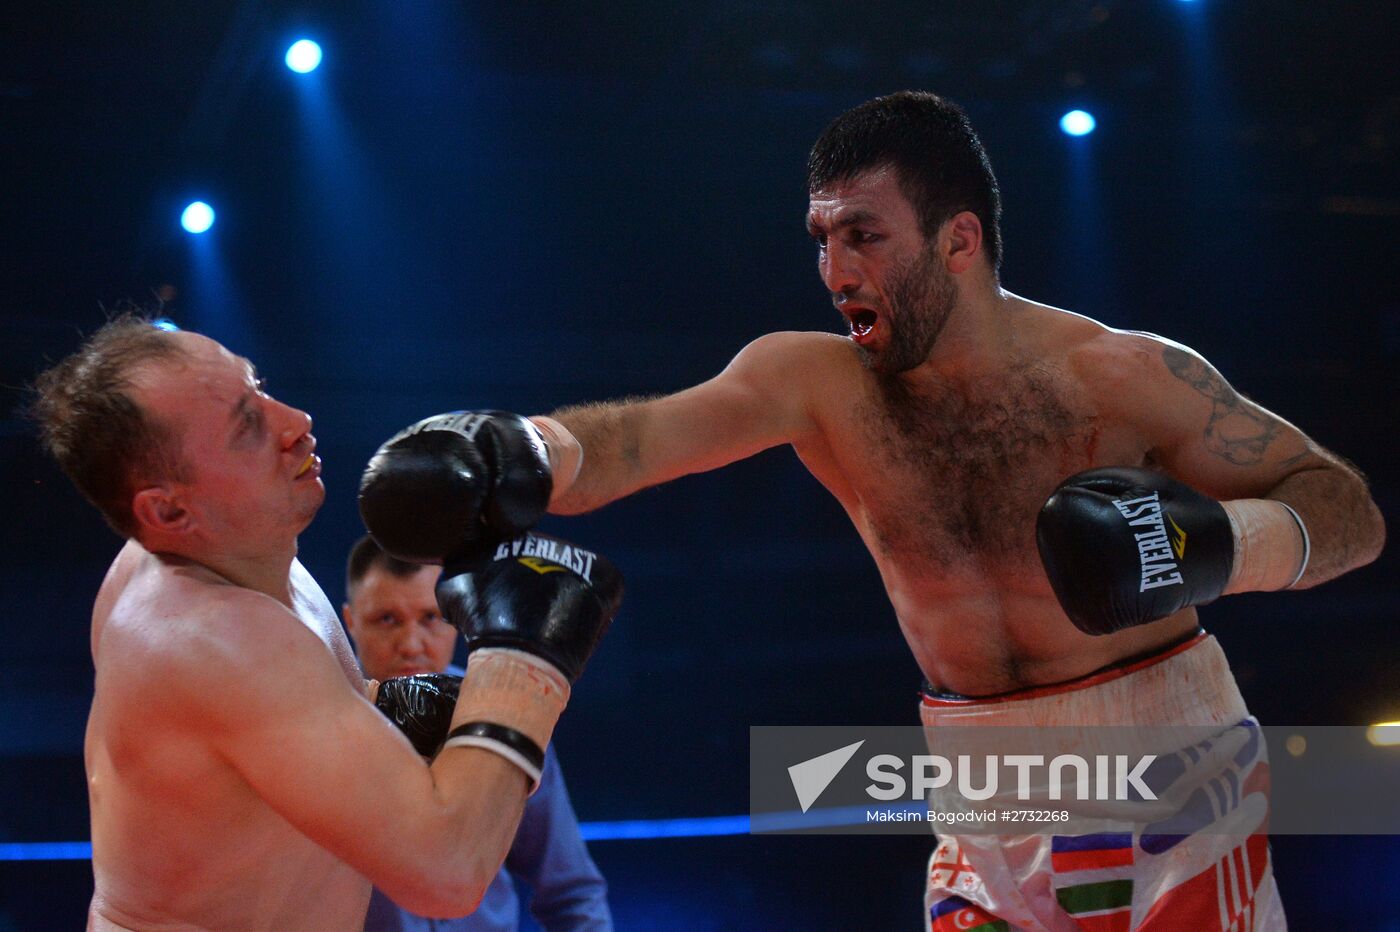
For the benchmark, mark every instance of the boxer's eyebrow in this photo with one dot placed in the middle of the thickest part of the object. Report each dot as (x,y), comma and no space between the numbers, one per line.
(242,416)
(854,218)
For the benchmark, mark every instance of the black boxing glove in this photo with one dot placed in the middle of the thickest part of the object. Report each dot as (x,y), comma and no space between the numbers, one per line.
(1124,546)
(538,594)
(421,706)
(455,484)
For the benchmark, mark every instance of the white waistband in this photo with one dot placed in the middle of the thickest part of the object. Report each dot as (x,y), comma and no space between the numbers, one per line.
(1191,687)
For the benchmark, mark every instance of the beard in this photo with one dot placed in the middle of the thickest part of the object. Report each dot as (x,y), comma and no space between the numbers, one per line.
(921,298)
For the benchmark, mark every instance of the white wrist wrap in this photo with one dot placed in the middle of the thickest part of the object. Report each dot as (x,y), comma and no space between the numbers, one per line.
(1307,544)
(1271,545)
(532,773)
(512,688)
(565,453)
(503,741)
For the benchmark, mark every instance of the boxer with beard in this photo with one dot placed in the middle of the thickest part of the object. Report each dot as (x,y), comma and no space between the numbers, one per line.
(985,447)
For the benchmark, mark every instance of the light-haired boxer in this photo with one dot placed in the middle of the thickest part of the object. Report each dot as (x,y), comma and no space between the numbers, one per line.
(392,615)
(942,423)
(239,777)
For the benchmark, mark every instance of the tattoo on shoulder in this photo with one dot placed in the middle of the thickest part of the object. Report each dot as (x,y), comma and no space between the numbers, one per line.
(1235,432)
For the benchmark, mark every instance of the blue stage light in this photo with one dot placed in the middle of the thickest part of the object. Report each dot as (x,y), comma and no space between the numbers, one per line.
(45,850)
(1077,123)
(303,56)
(665,828)
(197,218)
(631,830)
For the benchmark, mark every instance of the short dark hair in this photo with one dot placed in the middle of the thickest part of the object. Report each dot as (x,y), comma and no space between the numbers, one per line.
(102,439)
(367,554)
(941,164)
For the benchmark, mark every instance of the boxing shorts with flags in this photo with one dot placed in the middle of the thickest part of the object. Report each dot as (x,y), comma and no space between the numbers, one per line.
(1206,867)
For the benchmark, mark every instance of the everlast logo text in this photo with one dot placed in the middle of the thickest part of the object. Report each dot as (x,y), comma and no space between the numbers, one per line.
(1155,548)
(463,422)
(533,551)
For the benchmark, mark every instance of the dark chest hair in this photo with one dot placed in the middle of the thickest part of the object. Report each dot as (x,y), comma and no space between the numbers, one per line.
(971,465)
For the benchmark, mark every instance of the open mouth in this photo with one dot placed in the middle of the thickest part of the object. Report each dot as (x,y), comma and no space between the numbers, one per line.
(306,466)
(862,322)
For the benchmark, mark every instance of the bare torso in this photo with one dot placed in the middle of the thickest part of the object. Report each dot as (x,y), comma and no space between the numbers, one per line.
(944,481)
(179,839)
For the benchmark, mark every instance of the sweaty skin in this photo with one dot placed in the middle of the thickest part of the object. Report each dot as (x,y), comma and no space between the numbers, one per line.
(943,466)
(238,776)
(204,849)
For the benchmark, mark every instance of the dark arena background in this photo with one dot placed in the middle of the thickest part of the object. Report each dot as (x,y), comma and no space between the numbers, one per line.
(522,205)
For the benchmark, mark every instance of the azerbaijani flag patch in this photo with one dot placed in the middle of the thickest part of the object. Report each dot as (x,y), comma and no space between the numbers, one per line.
(955,914)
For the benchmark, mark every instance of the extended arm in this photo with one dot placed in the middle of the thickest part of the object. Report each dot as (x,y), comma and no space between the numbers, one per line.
(757,402)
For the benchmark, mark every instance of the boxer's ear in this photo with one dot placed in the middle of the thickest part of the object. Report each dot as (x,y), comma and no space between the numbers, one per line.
(158,509)
(961,241)
(349,617)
